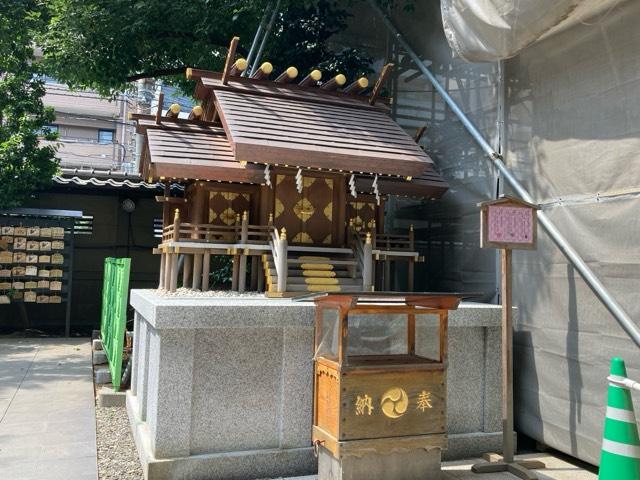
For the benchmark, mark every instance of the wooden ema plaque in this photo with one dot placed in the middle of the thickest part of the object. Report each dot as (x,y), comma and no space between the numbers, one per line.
(378,401)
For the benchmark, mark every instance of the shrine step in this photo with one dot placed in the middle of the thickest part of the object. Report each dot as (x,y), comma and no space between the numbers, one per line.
(320,288)
(299,269)
(297,280)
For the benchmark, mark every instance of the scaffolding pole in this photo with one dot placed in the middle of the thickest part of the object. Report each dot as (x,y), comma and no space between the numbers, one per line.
(561,242)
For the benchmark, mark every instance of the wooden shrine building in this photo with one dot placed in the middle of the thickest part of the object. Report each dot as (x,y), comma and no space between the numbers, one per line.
(290,178)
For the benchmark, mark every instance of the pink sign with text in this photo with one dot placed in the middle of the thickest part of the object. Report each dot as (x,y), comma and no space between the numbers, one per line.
(510,224)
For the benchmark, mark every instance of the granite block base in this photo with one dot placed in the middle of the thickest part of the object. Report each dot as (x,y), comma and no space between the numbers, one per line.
(418,464)
(240,465)
(222,387)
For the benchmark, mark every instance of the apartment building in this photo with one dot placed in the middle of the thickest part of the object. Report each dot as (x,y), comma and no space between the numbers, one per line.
(94,132)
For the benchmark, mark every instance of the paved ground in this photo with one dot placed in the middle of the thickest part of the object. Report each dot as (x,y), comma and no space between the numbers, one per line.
(47,413)
(48,426)
(557,469)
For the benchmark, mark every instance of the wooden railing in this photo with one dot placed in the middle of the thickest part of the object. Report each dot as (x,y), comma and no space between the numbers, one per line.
(363,251)
(392,241)
(279,247)
(240,232)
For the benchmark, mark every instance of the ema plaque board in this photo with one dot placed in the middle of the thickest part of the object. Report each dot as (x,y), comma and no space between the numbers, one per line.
(508,223)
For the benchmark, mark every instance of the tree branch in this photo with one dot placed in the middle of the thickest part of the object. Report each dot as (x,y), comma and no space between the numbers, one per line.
(156,73)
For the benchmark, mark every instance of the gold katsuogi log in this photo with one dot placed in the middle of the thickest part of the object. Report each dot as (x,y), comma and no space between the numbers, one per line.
(337,81)
(20,243)
(18,271)
(6,230)
(29,297)
(5,299)
(55,299)
(31,271)
(5,273)
(5,285)
(312,79)
(196,113)
(57,232)
(42,299)
(32,258)
(358,86)
(20,231)
(33,231)
(45,232)
(44,259)
(173,111)
(57,245)
(19,257)
(239,66)
(287,76)
(55,273)
(43,284)
(30,285)
(6,257)
(263,71)
(17,285)
(45,246)
(33,245)
(44,273)
(55,285)
(57,259)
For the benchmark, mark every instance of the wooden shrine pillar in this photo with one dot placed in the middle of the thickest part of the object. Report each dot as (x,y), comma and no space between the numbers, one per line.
(242,267)
(162,262)
(206,264)
(167,270)
(187,268)
(173,263)
(412,261)
(193,263)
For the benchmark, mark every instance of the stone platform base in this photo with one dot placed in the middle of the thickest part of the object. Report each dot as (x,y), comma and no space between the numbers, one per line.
(271,463)
(418,464)
(222,388)
(242,465)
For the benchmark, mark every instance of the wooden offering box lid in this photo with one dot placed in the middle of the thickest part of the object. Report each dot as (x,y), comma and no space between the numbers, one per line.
(392,302)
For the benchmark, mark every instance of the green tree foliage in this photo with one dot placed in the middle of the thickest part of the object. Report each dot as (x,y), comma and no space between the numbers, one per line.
(25,165)
(104,45)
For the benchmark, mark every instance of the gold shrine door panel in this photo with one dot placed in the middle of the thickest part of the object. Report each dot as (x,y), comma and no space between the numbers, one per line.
(224,207)
(310,217)
(364,214)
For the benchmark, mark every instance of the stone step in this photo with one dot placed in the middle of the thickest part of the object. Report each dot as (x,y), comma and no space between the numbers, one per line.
(307,266)
(319,288)
(291,280)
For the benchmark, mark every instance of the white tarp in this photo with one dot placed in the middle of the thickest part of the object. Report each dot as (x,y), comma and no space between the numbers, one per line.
(491,30)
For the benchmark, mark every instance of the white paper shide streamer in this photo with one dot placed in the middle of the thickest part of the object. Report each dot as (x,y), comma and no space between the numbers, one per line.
(299,180)
(375,189)
(267,176)
(352,186)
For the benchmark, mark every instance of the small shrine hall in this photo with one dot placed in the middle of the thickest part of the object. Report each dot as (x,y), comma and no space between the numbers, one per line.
(288,176)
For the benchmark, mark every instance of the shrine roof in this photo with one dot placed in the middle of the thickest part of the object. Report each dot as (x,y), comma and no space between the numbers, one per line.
(430,185)
(192,152)
(308,127)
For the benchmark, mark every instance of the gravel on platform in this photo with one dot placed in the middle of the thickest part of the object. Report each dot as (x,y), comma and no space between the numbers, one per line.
(186,292)
(117,454)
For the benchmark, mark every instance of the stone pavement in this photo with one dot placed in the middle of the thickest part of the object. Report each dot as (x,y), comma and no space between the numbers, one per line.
(557,469)
(47,413)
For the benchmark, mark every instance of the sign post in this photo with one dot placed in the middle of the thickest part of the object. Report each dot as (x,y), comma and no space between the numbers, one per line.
(507,223)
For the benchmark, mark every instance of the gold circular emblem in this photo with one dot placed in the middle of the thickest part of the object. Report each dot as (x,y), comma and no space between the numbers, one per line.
(394,402)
